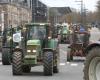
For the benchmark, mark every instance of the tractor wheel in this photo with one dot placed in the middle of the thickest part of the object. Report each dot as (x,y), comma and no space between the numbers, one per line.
(69,56)
(26,69)
(17,63)
(5,57)
(48,63)
(92,65)
(55,68)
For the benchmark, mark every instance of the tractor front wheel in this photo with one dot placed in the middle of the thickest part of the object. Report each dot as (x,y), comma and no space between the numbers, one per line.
(17,63)
(92,65)
(48,63)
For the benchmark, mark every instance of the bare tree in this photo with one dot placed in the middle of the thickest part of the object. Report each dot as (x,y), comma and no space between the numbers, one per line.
(98,10)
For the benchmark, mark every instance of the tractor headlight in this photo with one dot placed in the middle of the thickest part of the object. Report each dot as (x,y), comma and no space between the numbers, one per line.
(29,51)
(34,51)
(49,37)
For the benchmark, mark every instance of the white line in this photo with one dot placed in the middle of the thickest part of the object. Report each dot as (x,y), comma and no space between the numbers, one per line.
(73,64)
(0,63)
(68,62)
(62,64)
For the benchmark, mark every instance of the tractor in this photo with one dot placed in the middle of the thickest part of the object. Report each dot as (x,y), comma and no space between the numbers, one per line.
(35,46)
(92,62)
(55,30)
(78,42)
(64,35)
(7,44)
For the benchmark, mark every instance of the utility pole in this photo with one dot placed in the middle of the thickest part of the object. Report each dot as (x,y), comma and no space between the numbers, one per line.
(82,21)
(48,14)
(83,14)
(34,10)
(81,3)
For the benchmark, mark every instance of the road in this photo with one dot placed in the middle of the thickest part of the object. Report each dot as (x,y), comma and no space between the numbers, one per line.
(95,34)
(68,71)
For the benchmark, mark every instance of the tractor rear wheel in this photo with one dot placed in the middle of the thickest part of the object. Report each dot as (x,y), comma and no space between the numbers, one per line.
(5,56)
(26,69)
(48,63)
(92,65)
(17,63)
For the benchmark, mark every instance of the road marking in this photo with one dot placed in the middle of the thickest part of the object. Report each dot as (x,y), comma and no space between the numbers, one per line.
(68,62)
(62,64)
(0,63)
(73,64)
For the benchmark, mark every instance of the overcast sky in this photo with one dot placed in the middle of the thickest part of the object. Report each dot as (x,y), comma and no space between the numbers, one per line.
(90,4)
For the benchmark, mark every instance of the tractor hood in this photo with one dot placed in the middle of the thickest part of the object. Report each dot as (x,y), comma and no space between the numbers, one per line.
(33,42)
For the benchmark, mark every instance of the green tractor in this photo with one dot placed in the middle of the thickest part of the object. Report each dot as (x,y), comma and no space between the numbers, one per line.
(35,47)
(7,45)
(64,35)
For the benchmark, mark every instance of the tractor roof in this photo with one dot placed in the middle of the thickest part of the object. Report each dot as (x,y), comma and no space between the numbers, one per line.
(37,24)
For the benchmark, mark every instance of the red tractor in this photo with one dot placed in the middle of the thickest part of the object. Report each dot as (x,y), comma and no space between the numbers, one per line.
(79,39)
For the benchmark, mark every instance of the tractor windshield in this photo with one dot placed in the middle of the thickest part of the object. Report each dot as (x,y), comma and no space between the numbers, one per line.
(79,38)
(37,32)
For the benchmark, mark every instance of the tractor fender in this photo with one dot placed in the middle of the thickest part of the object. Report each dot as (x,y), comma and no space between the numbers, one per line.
(18,49)
(48,49)
(91,46)
(52,44)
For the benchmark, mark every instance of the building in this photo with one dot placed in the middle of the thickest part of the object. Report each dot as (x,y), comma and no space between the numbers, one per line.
(57,14)
(14,14)
(29,3)
(39,10)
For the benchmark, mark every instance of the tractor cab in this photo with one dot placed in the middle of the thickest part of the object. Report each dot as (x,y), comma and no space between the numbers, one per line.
(37,32)
(79,38)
